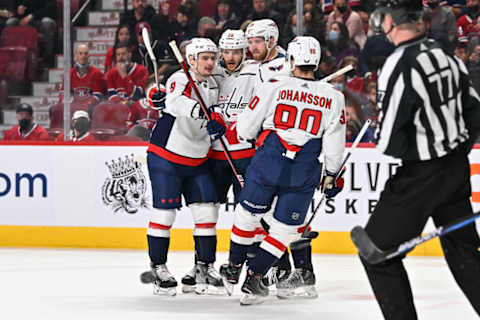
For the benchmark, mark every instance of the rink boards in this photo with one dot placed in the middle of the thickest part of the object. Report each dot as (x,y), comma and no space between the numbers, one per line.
(99,196)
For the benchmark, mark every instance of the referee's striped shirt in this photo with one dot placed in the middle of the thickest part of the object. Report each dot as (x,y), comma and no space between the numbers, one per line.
(421,95)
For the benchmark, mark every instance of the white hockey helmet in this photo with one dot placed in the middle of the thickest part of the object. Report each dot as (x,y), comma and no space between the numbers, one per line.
(199,45)
(265,28)
(233,39)
(305,51)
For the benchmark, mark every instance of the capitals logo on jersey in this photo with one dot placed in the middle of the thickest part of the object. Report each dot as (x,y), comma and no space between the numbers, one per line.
(275,68)
(232,104)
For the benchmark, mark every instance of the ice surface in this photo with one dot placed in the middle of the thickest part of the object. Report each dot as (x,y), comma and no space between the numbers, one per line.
(103,284)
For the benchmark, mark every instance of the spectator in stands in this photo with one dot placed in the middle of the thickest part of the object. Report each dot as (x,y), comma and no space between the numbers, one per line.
(26,128)
(326,65)
(340,44)
(142,114)
(141,11)
(467,23)
(41,15)
(126,81)
(354,124)
(204,24)
(369,109)
(342,13)
(192,11)
(87,83)
(474,67)
(80,128)
(442,25)
(355,83)
(262,11)
(174,67)
(122,35)
(159,50)
(225,18)
(7,9)
(180,27)
(461,51)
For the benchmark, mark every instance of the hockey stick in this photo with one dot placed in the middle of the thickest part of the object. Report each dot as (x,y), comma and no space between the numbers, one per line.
(373,255)
(309,235)
(146,41)
(180,60)
(337,73)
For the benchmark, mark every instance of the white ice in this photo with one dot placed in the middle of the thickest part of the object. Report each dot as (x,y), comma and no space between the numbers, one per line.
(102,284)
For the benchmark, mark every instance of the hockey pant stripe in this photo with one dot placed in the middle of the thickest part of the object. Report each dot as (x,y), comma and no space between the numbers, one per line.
(280,236)
(273,246)
(161,220)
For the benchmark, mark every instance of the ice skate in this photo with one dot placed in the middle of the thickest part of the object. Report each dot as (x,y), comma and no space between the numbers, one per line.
(254,291)
(300,284)
(188,281)
(208,280)
(274,275)
(164,283)
(230,274)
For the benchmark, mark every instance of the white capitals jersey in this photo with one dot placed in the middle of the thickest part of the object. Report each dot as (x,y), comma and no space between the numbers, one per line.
(179,133)
(275,67)
(298,110)
(235,93)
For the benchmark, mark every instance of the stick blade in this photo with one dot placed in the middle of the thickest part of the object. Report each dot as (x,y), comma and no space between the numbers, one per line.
(146,41)
(366,248)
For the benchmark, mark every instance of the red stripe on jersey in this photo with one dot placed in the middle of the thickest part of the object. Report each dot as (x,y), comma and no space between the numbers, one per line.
(239,154)
(153,225)
(242,233)
(205,225)
(263,136)
(274,242)
(173,157)
(188,90)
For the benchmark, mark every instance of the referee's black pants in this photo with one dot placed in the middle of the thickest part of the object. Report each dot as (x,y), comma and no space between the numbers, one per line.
(438,188)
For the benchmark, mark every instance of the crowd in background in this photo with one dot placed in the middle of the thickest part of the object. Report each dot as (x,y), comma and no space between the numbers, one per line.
(348,31)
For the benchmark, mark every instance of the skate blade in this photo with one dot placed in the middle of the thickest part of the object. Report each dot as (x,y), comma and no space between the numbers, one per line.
(188,289)
(228,286)
(209,290)
(165,292)
(248,299)
(306,292)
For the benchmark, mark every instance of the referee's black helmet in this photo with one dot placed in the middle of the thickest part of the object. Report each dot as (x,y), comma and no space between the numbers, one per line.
(402,11)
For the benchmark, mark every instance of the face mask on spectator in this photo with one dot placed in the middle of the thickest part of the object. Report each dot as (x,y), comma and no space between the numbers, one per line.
(24,124)
(432,5)
(81,125)
(294,30)
(342,9)
(332,35)
(81,68)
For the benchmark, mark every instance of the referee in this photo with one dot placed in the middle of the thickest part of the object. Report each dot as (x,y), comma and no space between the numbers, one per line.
(429,118)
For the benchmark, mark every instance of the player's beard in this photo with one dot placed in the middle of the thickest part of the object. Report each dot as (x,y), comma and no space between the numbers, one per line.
(259,56)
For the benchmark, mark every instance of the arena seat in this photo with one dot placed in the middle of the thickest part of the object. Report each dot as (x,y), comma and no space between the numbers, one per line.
(23,37)
(13,63)
(56,114)
(109,119)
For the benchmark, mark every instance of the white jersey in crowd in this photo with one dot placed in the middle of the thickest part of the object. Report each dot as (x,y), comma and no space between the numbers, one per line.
(298,110)
(235,93)
(188,137)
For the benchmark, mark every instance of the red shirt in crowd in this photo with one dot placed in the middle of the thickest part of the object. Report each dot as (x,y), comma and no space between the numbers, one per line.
(91,84)
(130,87)
(36,133)
(466,26)
(141,113)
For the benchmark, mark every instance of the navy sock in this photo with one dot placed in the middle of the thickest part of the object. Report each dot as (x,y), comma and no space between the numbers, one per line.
(158,249)
(262,261)
(302,258)
(252,250)
(238,253)
(205,248)
(284,261)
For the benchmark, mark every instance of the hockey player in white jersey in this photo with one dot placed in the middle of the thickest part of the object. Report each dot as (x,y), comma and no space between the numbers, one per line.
(177,153)
(293,120)
(262,38)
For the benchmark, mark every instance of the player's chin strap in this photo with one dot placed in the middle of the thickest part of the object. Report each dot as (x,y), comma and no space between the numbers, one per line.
(309,235)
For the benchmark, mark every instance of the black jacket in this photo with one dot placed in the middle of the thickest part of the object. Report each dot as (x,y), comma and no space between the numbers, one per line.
(39,9)
(149,16)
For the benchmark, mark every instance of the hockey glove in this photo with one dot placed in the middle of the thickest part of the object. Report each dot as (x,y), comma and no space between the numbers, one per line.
(156,98)
(216,126)
(330,186)
(231,134)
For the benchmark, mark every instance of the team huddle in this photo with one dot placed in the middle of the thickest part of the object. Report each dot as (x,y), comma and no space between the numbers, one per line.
(275,120)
